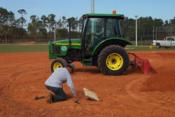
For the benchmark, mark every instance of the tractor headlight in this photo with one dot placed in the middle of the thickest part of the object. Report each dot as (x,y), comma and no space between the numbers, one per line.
(64,48)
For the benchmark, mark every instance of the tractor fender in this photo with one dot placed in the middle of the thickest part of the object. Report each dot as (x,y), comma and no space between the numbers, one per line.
(111,41)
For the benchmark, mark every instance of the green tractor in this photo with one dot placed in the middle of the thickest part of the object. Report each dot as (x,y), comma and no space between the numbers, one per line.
(101,44)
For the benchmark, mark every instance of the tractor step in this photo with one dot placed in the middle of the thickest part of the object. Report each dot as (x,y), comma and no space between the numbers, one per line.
(142,64)
(87,62)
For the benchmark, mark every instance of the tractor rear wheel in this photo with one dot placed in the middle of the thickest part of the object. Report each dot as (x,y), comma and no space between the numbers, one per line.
(58,63)
(113,60)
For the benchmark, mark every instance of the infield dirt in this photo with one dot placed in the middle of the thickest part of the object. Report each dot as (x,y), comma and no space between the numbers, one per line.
(134,94)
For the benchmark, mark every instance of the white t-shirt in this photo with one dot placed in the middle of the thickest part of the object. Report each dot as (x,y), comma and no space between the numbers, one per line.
(58,77)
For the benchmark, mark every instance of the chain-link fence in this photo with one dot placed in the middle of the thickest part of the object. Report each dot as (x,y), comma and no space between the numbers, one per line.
(146,36)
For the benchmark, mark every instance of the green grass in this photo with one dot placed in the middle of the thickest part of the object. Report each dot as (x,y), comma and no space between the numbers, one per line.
(148,48)
(11,48)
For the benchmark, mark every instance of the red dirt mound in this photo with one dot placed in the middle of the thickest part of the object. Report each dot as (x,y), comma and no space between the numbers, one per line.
(160,82)
(164,80)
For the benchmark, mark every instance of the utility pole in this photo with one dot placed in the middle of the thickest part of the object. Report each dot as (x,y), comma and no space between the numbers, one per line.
(136,31)
(92,6)
(153,32)
(54,33)
(156,33)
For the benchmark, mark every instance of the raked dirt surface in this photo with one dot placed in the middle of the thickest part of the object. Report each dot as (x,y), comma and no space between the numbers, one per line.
(134,94)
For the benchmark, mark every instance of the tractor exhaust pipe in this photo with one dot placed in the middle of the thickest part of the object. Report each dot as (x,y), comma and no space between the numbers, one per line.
(69,32)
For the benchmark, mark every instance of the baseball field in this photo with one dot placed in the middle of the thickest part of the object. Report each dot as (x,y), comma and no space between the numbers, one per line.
(24,68)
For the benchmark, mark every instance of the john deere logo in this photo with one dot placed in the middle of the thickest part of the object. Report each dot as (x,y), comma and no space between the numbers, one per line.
(64,48)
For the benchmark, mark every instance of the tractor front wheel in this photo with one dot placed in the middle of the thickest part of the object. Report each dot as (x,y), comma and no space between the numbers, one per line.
(58,63)
(113,60)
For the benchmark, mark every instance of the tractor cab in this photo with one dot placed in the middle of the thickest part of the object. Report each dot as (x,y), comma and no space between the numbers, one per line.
(98,28)
(101,44)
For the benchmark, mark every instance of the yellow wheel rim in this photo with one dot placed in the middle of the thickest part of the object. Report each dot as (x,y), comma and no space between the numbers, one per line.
(114,61)
(57,65)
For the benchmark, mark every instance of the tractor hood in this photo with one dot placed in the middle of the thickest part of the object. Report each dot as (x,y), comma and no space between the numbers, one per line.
(75,43)
(60,48)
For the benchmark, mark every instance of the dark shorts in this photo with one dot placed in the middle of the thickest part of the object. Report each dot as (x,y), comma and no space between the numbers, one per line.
(59,94)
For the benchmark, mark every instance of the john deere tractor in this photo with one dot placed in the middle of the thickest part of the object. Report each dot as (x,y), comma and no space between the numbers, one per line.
(101,44)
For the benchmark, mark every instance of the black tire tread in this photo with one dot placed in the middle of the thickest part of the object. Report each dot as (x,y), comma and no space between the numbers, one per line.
(103,54)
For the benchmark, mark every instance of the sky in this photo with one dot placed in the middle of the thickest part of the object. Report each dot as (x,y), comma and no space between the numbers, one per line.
(164,9)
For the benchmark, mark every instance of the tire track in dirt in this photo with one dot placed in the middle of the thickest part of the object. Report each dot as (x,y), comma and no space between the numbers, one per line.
(141,98)
(12,77)
(9,73)
(20,75)
(8,101)
(30,83)
(158,60)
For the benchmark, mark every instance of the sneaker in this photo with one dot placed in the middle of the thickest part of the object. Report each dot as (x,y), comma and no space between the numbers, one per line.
(49,98)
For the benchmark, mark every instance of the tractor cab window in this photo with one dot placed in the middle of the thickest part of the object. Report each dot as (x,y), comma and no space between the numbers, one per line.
(112,28)
(94,31)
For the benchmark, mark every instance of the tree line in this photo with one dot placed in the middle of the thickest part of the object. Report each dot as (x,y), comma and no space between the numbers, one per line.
(41,29)
(148,28)
(38,29)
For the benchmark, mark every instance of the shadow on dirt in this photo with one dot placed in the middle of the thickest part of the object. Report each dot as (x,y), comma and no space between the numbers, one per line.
(97,71)
(132,70)
(90,70)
